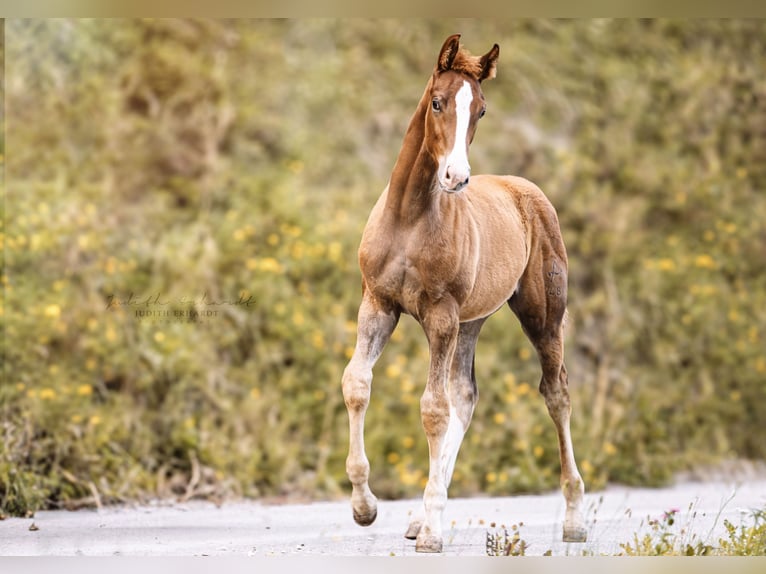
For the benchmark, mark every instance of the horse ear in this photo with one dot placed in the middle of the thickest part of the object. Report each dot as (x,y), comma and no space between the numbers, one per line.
(489,63)
(448,52)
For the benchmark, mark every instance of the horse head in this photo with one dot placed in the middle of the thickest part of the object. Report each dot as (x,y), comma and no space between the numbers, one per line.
(457,104)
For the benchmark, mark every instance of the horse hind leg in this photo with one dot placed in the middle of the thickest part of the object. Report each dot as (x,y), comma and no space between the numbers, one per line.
(463,395)
(540,305)
(374,329)
(554,387)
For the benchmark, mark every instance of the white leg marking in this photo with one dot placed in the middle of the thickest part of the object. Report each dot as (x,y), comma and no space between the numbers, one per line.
(452,442)
(450,447)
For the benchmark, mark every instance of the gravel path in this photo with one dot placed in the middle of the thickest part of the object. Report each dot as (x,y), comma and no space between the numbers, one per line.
(326,528)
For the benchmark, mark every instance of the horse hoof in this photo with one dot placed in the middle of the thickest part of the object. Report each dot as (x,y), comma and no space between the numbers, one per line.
(413,530)
(430,544)
(575,534)
(367,517)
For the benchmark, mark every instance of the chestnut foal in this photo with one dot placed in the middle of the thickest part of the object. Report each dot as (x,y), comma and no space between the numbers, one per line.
(450,249)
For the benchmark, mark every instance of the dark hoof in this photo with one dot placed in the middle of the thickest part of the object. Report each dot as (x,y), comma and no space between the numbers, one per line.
(365,518)
(575,534)
(413,530)
(430,544)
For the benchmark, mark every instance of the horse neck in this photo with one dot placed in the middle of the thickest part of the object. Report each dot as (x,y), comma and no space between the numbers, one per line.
(414,175)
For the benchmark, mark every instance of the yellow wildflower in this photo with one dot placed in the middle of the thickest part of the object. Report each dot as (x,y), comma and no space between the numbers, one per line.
(407,385)
(704,262)
(53,311)
(317,339)
(666,264)
(84,390)
(335,250)
(393,371)
(270,265)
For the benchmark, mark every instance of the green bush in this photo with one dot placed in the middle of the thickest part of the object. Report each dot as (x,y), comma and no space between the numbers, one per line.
(229,166)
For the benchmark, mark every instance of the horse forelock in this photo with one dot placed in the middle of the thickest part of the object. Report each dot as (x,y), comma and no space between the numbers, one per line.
(468,64)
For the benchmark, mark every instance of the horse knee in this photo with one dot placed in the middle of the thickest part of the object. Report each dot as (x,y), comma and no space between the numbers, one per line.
(356,389)
(434,412)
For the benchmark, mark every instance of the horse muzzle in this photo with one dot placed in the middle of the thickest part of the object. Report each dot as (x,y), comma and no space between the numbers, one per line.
(455,179)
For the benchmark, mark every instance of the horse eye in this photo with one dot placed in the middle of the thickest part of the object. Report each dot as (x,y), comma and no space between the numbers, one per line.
(436,105)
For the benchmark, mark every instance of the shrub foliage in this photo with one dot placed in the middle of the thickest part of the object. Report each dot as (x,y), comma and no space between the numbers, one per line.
(185,198)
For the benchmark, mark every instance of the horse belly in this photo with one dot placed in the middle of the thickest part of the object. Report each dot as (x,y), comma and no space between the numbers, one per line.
(492,289)
(500,260)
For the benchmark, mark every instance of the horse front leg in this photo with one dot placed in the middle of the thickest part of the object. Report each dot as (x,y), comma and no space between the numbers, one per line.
(441,326)
(463,395)
(374,328)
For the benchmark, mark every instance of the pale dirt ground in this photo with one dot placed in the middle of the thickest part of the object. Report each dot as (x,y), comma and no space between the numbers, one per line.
(327,528)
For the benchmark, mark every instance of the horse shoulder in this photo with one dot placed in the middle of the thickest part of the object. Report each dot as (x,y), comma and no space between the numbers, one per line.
(381,256)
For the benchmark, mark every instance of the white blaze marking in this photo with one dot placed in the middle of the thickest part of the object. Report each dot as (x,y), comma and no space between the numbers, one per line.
(457,160)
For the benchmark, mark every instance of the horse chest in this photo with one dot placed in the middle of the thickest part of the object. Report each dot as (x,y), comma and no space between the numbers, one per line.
(409,272)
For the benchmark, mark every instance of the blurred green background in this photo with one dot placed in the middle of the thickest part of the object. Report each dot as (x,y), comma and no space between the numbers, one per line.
(229,167)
